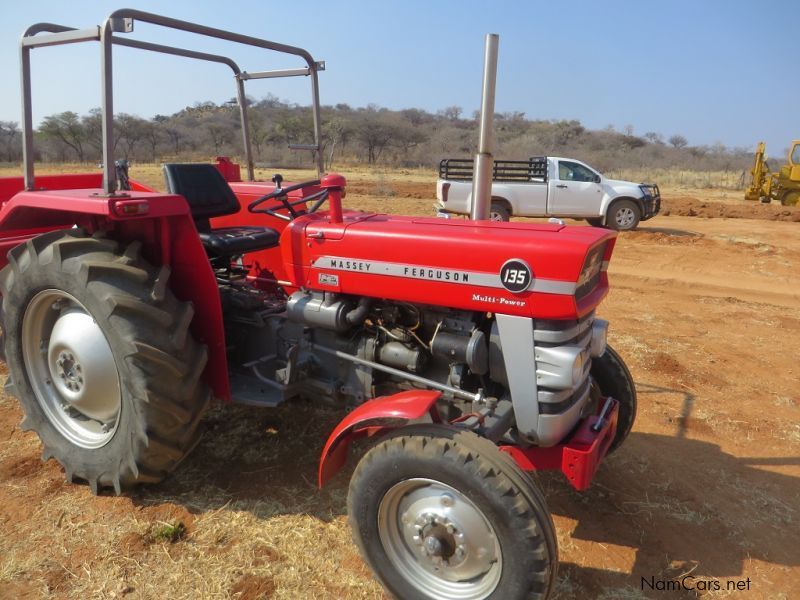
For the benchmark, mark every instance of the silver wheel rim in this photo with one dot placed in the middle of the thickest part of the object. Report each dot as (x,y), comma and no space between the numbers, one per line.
(495,216)
(625,217)
(71,369)
(439,541)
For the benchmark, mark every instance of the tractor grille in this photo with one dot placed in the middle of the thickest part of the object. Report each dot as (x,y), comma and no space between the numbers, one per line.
(557,345)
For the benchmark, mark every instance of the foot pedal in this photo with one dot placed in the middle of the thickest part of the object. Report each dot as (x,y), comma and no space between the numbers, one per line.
(246,389)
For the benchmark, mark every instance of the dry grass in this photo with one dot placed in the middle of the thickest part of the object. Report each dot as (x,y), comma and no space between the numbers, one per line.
(682,178)
(213,530)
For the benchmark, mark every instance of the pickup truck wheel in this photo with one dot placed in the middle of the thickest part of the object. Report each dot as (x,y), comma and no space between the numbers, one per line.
(440,513)
(623,215)
(499,212)
(101,358)
(612,376)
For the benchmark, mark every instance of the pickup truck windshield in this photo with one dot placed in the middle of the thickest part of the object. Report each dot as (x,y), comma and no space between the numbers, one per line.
(570,171)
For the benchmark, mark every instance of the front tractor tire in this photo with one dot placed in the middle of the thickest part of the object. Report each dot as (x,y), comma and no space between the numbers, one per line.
(611,375)
(442,513)
(100,356)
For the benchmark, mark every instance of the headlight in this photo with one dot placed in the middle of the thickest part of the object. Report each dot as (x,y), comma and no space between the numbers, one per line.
(577,369)
(599,337)
(559,367)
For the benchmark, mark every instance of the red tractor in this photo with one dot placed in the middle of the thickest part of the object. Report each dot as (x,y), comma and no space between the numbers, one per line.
(468,351)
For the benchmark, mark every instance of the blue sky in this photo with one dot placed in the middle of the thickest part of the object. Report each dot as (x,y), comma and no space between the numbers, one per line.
(713,71)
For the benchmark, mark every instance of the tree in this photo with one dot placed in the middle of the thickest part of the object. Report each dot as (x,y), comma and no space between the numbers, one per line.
(415,116)
(375,134)
(151,132)
(295,128)
(66,127)
(653,137)
(566,131)
(93,126)
(219,134)
(258,130)
(336,132)
(10,140)
(452,113)
(678,141)
(130,131)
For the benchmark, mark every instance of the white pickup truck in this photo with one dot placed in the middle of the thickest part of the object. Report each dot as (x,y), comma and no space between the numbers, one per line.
(549,186)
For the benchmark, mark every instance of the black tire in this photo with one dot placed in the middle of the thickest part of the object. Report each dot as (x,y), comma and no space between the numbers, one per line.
(505,497)
(791,199)
(623,215)
(612,376)
(595,221)
(499,211)
(160,395)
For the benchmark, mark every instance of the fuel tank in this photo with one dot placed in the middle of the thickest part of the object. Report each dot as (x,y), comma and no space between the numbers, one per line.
(540,270)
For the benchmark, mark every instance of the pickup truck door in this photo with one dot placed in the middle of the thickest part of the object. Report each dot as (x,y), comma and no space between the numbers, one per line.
(574,191)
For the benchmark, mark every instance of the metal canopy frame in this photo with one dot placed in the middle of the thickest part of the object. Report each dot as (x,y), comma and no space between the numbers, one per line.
(121,21)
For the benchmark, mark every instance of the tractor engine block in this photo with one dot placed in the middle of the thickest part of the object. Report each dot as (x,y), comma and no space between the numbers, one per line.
(345,350)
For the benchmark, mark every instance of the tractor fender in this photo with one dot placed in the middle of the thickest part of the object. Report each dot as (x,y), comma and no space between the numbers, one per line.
(374,416)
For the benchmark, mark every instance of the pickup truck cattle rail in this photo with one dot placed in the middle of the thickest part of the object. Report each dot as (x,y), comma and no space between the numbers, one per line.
(462,169)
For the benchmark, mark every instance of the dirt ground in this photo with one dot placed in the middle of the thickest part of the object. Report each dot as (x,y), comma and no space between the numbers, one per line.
(704,308)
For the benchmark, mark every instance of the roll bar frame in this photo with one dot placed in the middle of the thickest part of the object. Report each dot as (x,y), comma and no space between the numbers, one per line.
(122,21)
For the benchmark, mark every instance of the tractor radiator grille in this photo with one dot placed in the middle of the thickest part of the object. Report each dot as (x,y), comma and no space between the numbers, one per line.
(558,344)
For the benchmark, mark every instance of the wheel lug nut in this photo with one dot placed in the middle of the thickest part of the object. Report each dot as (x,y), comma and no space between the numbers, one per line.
(450,529)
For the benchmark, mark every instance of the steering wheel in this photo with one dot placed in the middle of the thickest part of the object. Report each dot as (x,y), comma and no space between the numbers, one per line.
(282,194)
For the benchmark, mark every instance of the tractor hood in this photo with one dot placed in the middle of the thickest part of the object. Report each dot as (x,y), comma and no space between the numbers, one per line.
(528,269)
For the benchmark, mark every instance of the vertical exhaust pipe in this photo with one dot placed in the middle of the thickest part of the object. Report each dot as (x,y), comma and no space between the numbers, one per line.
(484,160)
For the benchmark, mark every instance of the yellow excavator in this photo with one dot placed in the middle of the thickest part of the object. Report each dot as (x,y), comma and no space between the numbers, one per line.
(783,185)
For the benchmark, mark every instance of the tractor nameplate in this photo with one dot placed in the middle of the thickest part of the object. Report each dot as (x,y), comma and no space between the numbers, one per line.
(439,274)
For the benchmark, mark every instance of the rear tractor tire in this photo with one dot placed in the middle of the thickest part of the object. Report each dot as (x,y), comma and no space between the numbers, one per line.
(101,358)
(442,514)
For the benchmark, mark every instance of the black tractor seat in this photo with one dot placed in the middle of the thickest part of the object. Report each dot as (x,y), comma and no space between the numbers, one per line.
(232,241)
(209,195)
